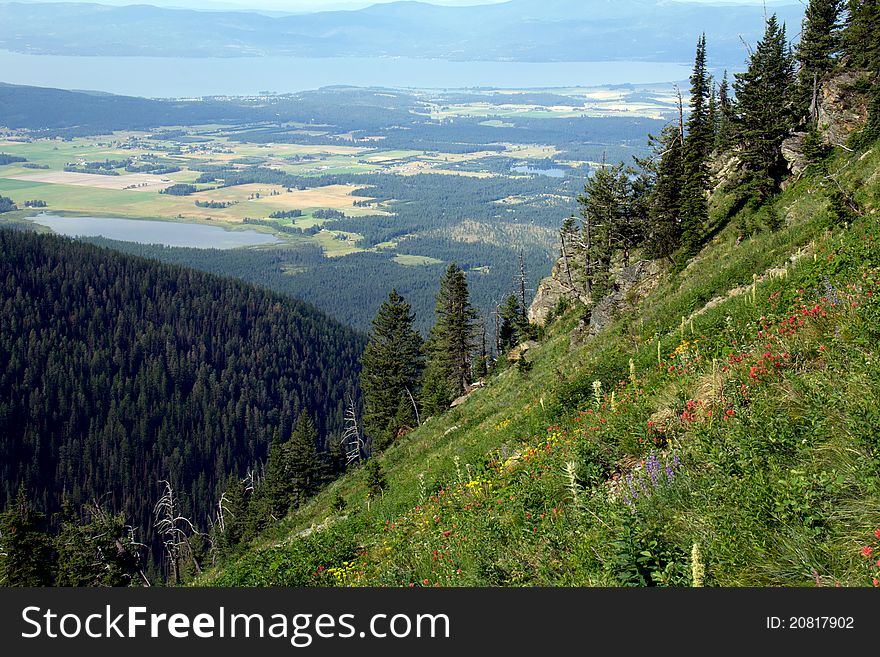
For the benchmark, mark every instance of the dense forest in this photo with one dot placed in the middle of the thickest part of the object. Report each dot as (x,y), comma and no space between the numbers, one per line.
(352,288)
(121,372)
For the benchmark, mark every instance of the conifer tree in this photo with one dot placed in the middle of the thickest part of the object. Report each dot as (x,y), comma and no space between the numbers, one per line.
(664,218)
(724,130)
(451,343)
(234,513)
(514,325)
(697,148)
(861,37)
(25,547)
(376,479)
(301,455)
(819,45)
(391,370)
(99,552)
(714,114)
(608,226)
(273,496)
(765,109)
(861,43)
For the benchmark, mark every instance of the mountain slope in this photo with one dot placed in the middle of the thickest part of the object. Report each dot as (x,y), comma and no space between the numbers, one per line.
(523,30)
(740,440)
(120,372)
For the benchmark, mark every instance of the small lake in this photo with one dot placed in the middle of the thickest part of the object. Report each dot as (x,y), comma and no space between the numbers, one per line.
(189,76)
(153,232)
(553,173)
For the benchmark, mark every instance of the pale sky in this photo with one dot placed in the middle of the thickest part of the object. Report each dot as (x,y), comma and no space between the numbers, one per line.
(294,6)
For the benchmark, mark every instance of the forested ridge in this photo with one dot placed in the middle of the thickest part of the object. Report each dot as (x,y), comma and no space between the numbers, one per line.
(120,372)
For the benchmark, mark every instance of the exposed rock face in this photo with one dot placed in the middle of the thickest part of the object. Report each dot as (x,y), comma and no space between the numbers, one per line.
(519,352)
(631,285)
(793,152)
(842,109)
(552,290)
(723,169)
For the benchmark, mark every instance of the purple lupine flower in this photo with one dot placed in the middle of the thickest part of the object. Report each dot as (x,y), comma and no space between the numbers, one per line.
(830,292)
(676,461)
(643,486)
(670,473)
(629,502)
(652,467)
(632,489)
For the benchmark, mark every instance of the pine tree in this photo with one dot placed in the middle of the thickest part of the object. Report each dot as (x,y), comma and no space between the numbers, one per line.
(391,370)
(697,148)
(99,552)
(301,454)
(376,480)
(664,219)
(819,45)
(568,243)
(25,548)
(861,43)
(766,112)
(726,113)
(607,226)
(234,512)
(714,113)
(514,325)
(273,497)
(451,343)
(861,37)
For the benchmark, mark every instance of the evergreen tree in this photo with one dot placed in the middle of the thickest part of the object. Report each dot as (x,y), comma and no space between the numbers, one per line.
(437,391)
(376,480)
(25,547)
(861,43)
(273,497)
(714,113)
(724,130)
(451,343)
(766,113)
(664,220)
(391,370)
(99,552)
(514,325)
(234,511)
(302,460)
(697,148)
(608,226)
(819,45)
(861,37)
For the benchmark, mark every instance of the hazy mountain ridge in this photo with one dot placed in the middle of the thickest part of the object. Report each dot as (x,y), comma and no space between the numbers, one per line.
(520,30)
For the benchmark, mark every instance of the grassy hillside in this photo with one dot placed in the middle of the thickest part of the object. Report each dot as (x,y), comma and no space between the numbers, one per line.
(727,429)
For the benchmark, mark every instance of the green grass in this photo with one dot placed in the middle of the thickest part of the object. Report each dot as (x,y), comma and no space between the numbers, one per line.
(415,261)
(764,408)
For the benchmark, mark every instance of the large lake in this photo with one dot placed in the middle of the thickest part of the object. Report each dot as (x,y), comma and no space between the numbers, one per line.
(153,232)
(164,77)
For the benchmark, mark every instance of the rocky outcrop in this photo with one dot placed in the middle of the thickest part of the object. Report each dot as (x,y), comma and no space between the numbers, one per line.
(560,284)
(519,352)
(631,285)
(793,152)
(842,107)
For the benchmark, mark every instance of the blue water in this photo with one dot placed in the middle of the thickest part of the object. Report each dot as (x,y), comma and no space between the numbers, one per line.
(553,173)
(153,232)
(164,77)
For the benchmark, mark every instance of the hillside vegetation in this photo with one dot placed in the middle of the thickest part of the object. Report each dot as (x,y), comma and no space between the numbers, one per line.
(726,443)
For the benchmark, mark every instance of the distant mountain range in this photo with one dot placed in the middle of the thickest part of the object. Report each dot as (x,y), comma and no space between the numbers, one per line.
(519,30)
